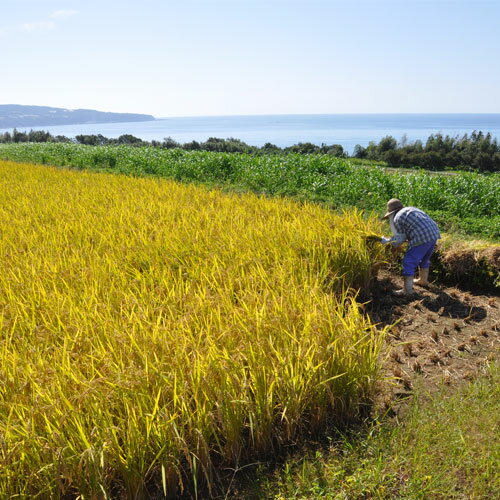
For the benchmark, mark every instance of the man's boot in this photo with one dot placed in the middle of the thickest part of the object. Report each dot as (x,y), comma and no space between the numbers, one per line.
(408,288)
(423,277)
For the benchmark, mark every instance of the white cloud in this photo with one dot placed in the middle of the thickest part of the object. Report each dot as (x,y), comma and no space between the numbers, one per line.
(28,27)
(38,26)
(59,14)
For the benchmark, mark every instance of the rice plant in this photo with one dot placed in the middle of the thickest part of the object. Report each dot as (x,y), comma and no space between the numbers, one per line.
(311,177)
(154,334)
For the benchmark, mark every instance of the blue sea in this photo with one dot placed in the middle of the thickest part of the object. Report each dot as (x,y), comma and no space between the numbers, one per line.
(286,130)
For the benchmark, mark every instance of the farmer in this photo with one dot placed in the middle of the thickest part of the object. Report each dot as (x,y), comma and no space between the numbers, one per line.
(421,232)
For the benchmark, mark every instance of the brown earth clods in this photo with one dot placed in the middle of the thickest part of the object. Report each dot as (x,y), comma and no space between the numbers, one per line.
(442,335)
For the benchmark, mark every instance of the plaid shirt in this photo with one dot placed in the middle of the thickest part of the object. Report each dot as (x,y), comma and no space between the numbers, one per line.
(415,226)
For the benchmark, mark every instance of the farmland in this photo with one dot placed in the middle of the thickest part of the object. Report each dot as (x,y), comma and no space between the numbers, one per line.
(467,203)
(155,334)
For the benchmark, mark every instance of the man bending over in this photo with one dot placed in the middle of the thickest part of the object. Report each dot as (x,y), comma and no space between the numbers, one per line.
(421,232)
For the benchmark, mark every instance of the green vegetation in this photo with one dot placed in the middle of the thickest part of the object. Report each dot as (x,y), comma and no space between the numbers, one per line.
(466,202)
(230,145)
(479,152)
(447,447)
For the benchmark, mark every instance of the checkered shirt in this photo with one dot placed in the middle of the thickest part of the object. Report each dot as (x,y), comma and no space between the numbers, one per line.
(416,225)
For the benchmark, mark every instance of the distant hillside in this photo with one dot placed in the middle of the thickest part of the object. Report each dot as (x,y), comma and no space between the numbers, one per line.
(15,115)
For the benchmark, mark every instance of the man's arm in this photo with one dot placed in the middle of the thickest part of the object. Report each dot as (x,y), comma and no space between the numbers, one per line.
(396,241)
(399,235)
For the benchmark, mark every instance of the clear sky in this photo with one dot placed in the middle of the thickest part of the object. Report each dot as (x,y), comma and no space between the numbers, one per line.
(236,57)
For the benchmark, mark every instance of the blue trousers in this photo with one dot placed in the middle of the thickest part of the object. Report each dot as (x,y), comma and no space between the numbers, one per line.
(418,256)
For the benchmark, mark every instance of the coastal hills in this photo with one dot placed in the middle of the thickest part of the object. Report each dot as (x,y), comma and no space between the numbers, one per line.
(16,115)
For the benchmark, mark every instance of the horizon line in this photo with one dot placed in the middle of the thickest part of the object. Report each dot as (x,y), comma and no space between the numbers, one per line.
(324,114)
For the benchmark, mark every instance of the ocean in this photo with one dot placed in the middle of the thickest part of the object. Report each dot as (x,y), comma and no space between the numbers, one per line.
(286,130)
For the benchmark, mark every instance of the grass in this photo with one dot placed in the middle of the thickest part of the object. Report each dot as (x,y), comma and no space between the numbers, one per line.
(446,447)
(155,334)
(468,203)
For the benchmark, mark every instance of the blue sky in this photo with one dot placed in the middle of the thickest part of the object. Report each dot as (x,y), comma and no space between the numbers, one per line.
(234,57)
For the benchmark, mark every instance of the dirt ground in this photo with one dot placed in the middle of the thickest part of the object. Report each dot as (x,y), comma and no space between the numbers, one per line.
(443,335)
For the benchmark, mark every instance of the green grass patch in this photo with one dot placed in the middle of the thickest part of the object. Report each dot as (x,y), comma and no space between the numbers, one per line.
(446,447)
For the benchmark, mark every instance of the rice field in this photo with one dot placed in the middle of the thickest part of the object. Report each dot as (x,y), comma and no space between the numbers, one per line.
(155,334)
(468,202)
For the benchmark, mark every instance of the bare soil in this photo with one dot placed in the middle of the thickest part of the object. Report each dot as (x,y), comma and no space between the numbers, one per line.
(442,335)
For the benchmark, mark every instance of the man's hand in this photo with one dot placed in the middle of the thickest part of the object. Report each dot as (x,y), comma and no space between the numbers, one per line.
(372,238)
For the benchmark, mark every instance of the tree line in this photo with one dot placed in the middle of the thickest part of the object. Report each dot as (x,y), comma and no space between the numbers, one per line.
(230,145)
(477,151)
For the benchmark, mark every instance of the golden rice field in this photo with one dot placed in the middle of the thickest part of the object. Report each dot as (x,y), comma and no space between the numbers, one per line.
(154,334)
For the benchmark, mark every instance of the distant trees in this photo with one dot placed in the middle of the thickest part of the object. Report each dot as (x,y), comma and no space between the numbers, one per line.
(477,151)
(31,136)
(100,140)
(169,143)
(230,145)
(191,146)
(335,150)
(360,152)
(130,140)
(92,140)
(303,148)
(270,148)
(387,143)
